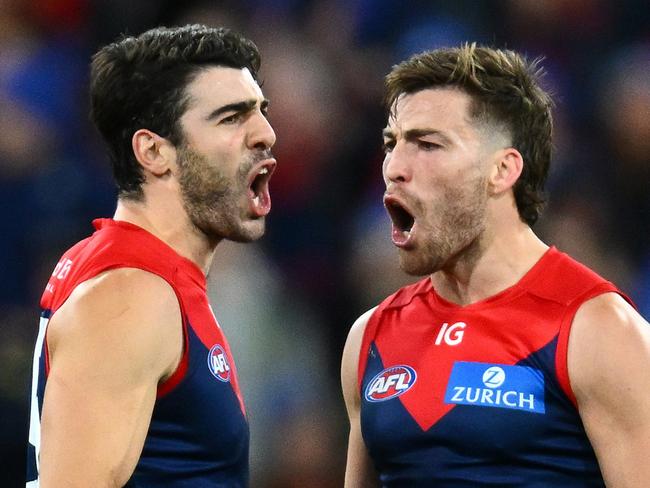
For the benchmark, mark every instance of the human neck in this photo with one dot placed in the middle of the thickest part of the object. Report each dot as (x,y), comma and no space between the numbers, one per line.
(497,263)
(167,220)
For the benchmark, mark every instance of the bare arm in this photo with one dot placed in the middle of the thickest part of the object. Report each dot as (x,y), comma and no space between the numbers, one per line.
(609,370)
(359,472)
(110,344)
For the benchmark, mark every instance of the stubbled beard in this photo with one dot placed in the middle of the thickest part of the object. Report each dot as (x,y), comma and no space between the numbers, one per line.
(213,200)
(451,229)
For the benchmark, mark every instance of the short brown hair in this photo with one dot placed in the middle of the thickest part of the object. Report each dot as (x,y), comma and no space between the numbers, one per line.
(505,90)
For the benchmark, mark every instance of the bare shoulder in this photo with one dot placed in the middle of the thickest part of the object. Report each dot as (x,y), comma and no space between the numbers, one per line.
(110,344)
(359,469)
(127,308)
(359,326)
(609,340)
(355,337)
(608,316)
(611,306)
(608,361)
(351,358)
(122,284)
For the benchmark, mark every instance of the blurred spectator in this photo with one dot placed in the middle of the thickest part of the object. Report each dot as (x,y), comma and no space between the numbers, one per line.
(624,109)
(278,346)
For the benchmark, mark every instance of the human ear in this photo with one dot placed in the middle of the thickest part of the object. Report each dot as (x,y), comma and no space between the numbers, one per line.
(153,152)
(506,169)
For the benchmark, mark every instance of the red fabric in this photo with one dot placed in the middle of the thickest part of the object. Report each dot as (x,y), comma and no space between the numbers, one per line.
(504,329)
(112,246)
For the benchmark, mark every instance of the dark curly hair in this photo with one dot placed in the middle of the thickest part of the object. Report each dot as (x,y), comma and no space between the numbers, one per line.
(505,91)
(139,82)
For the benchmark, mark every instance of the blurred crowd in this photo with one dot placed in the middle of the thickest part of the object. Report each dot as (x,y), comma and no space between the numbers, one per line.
(287,302)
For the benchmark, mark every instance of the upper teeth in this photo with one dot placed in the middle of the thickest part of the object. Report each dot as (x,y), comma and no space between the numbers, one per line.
(264,171)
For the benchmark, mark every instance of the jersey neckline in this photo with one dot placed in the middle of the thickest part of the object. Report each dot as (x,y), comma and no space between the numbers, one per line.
(509,293)
(187,265)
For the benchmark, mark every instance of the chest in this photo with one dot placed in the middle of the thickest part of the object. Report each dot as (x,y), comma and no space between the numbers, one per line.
(481,383)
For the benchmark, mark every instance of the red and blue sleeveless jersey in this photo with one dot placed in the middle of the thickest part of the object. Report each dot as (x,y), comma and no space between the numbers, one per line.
(478,395)
(198,435)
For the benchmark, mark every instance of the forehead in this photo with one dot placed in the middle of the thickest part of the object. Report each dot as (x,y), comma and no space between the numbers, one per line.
(220,85)
(434,108)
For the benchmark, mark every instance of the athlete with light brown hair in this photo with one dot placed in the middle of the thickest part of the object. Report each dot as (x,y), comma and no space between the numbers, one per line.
(509,364)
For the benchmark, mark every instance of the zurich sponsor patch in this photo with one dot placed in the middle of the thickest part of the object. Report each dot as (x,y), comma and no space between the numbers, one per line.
(218,363)
(496,385)
(390,383)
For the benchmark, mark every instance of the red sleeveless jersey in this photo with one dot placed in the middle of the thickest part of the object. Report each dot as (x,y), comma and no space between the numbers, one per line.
(478,395)
(198,434)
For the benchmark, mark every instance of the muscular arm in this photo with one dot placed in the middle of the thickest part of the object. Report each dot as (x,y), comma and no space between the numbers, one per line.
(609,370)
(359,472)
(110,344)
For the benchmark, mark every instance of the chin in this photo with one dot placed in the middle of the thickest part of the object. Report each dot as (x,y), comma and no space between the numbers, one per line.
(248,231)
(418,264)
(415,267)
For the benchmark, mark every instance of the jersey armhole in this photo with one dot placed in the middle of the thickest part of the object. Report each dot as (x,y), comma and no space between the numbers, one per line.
(47,315)
(400,298)
(561,352)
(368,337)
(167,386)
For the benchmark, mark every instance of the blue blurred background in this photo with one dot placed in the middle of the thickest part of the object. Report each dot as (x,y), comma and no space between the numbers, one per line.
(287,302)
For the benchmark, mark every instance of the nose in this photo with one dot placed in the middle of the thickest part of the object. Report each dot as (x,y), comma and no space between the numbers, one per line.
(262,135)
(395,167)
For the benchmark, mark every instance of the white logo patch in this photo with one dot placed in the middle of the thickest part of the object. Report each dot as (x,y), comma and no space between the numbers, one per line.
(452,335)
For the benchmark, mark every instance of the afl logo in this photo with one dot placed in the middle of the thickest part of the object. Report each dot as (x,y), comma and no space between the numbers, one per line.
(390,383)
(218,363)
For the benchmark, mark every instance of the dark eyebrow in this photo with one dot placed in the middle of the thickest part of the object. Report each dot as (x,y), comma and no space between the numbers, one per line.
(237,107)
(412,134)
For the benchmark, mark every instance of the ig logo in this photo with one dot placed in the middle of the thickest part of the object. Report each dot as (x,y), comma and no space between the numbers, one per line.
(452,335)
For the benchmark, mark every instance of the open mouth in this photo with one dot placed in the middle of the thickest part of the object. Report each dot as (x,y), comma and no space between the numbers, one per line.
(401,217)
(258,187)
(403,221)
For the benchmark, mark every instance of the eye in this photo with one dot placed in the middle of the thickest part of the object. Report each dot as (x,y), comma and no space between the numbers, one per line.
(232,119)
(428,146)
(264,108)
(388,146)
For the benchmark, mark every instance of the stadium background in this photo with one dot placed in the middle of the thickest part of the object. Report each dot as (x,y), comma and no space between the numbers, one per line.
(287,301)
